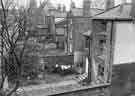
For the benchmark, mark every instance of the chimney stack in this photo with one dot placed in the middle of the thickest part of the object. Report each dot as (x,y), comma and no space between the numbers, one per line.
(72,5)
(110,4)
(86,7)
(122,5)
(132,11)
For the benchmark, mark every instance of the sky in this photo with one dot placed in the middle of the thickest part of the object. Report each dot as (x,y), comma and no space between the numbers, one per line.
(79,2)
(67,2)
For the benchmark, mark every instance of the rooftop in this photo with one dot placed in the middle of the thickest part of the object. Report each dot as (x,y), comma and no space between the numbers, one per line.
(79,11)
(118,12)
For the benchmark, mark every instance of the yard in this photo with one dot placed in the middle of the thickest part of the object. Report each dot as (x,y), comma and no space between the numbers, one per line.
(123,82)
(48,79)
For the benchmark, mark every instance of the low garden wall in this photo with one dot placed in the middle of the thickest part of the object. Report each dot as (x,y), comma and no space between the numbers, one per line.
(103,90)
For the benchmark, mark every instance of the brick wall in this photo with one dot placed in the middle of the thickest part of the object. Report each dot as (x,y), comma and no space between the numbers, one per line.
(87,92)
(51,60)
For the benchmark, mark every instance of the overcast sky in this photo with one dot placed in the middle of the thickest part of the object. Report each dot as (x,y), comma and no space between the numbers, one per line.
(67,2)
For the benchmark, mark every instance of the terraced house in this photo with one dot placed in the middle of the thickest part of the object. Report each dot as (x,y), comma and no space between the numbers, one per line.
(112,40)
(79,28)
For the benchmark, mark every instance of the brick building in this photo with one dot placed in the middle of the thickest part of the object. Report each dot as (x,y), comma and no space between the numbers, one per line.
(112,35)
(79,23)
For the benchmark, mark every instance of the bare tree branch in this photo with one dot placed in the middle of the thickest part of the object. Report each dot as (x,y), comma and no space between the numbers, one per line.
(14,24)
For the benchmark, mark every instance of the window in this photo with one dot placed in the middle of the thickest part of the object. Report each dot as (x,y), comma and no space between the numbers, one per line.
(102,46)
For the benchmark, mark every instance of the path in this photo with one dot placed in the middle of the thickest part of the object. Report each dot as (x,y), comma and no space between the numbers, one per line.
(44,86)
(44,89)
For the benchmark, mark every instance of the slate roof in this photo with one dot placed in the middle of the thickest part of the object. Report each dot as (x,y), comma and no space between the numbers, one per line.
(119,12)
(57,20)
(57,13)
(60,21)
(79,11)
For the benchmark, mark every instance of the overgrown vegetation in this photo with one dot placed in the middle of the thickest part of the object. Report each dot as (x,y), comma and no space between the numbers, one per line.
(16,24)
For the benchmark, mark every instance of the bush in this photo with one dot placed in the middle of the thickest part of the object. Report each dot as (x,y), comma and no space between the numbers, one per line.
(31,67)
